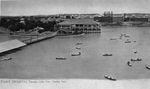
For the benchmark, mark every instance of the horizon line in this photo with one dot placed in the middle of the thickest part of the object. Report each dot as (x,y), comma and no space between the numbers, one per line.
(77,13)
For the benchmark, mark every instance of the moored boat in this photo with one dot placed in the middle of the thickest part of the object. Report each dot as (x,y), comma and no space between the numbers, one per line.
(112,38)
(61,58)
(110,78)
(107,54)
(128,41)
(147,66)
(129,64)
(76,54)
(5,58)
(79,43)
(135,52)
(138,59)
(78,48)
(126,36)
(133,59)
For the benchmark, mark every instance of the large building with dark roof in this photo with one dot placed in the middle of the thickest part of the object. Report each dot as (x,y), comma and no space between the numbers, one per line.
(79,25)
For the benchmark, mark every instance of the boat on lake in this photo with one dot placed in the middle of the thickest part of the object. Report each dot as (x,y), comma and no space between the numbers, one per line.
(76,54)
(110,78)
(61,58)
(113,38)
(127,41)
(135,52)
(138,59)
(129,64)
(79,43)
(147,66)
(5,58)
(126,36)
(107,54)
(78,48)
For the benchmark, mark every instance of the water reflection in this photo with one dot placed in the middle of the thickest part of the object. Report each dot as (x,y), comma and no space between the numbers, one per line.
(39,60)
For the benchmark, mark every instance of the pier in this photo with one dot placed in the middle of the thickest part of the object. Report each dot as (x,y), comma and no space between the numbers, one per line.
(15,44)
(38,38)
(10,45)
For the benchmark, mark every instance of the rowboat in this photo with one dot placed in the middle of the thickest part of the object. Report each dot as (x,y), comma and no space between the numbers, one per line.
(78,48)
(76,54)
(61,58)
(138,59)
(79,43)
(5,58)
(129,64)
(107,54)
(110,78)
(147,66)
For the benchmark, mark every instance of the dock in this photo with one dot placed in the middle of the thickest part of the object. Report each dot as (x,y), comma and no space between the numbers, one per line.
(15,44)
(10,45)
(38,38)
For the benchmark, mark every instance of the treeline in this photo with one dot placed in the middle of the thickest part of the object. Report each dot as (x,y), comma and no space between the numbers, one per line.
(28,23)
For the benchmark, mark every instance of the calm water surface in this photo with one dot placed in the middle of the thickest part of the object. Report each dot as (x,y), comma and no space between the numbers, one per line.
(37,61)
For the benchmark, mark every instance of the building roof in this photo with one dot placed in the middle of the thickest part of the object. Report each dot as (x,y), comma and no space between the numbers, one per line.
(78,21)
(10,45)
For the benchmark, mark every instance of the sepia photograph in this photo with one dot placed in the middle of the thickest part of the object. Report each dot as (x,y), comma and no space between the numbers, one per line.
(74,44)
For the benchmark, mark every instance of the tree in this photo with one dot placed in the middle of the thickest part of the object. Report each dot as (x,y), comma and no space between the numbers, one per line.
(12,28)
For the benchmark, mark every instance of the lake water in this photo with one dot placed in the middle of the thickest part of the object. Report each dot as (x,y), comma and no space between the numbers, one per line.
(38,60)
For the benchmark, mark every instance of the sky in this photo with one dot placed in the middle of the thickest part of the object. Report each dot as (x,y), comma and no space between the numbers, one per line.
(47,7)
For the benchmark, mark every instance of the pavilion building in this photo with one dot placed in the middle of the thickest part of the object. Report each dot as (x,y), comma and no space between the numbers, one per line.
(79,25)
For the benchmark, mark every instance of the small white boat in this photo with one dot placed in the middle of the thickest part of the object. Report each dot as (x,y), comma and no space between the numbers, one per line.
(78,48)
(61,58)
(76,54)
(126,36)
(110,78)
(129,64)
(79,43)
(5,58)
(138,59)
(147,66)
(135,52)
(113,38)
(127,41)
(122,34)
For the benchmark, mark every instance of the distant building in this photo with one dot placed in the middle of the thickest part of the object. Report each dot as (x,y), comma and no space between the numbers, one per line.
(139,19)
(109,19)
(118,15)
(117,19)
(103,19)
(136,17)
(108,14)
(79,25)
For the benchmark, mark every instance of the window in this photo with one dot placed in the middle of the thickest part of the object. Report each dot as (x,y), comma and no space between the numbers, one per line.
(89,25)
(85,25)
(81,25)
(85,29)
(73,25)
(77,25)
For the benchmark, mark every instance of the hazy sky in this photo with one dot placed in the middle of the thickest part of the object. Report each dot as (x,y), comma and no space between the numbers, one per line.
(42,7)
